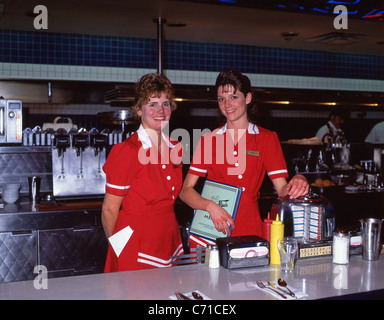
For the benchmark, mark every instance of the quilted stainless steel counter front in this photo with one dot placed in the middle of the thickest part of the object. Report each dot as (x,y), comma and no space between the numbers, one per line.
(67,238)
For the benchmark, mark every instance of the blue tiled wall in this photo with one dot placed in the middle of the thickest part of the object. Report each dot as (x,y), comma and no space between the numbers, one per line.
(89,50)
(268,60)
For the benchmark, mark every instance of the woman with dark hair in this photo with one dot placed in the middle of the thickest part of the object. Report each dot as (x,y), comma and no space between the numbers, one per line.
(143,183)
(257,151)
(230,77)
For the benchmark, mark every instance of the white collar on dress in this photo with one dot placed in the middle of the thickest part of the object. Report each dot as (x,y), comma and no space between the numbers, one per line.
(252,129)
(146,141)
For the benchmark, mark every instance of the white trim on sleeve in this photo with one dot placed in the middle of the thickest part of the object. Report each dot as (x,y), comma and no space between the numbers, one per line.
(113,186)
(277,172)
(197,169)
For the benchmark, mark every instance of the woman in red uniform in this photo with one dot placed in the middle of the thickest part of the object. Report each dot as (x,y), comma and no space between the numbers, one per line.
(249,152)
(143,183)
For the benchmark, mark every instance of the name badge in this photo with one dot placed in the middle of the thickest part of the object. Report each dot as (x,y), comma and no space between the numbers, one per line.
(252,153)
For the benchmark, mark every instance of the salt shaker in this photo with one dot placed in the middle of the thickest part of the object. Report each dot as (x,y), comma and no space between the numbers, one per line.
(340,249)
(214,260)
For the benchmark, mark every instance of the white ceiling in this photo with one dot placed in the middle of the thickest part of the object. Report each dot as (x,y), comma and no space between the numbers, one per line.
(205,23)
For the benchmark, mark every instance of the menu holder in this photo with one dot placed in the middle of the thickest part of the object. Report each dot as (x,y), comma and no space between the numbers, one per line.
(226,196)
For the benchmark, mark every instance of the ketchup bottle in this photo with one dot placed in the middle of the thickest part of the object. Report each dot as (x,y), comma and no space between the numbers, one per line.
(267,227)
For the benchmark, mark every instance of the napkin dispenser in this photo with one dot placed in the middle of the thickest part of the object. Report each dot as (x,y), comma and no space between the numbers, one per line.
(243,251)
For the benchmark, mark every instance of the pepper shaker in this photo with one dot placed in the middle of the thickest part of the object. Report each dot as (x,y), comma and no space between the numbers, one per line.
(207,254)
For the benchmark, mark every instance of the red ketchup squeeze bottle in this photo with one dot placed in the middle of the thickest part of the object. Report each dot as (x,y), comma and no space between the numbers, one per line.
(267,227)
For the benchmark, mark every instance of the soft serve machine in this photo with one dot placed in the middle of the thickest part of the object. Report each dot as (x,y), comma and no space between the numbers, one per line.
(77,160)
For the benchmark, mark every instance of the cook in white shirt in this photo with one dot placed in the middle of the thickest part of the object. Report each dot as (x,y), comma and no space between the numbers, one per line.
(335,122)
(376,135)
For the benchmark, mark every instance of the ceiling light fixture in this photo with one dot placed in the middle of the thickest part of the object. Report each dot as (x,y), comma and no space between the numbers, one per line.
(339,38)
(277,102)
(176,24)
(328,103)
(289,35)
(370,104)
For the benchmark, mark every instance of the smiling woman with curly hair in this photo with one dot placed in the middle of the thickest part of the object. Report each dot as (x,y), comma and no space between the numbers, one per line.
(141,195)
(153,85)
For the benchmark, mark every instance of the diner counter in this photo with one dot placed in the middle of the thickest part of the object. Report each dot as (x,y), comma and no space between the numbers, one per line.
(67,237)
(317,278)
(24,215)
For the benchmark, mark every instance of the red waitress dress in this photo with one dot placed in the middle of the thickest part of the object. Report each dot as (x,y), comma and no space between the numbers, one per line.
(263,154)
(149,192)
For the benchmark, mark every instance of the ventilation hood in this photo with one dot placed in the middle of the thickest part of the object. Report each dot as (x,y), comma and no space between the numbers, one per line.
(123,95)
(339,38)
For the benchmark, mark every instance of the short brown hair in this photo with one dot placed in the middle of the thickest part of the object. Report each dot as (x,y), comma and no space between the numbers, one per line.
(150,85)
(239,82)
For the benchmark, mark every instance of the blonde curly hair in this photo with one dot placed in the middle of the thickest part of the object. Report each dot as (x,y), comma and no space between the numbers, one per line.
(152,85)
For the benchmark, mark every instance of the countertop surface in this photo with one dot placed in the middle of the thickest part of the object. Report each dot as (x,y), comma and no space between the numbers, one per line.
(24,215)
(316,278)
(24,205)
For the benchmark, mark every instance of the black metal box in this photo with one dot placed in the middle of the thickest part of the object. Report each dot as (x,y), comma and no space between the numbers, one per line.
(243,251)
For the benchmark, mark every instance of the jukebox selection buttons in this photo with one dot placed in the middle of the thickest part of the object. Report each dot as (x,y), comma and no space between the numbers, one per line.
(315,251)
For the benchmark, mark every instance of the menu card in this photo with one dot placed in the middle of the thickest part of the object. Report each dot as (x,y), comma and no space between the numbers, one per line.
(226,196)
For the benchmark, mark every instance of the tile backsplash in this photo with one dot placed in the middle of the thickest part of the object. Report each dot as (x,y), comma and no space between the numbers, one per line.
(44,48)
(79,57)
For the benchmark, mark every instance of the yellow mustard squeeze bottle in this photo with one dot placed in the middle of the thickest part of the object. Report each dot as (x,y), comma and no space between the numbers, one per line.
(277,232)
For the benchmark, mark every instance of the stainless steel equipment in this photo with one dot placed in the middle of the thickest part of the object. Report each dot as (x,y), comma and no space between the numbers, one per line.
(336,150)
(77,165)
(11,121)
(34,188)
(122,118)
(17,163)
(310,219)
(371,229)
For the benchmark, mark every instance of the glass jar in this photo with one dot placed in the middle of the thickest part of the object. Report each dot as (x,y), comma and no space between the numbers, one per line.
(340,247)
(214,259)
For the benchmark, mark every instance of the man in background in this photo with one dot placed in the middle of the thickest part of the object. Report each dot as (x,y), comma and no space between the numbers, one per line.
(334,125)
(376,135)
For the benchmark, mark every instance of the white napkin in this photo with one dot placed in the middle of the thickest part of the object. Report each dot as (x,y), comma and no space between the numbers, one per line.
(120,239)
(297,293)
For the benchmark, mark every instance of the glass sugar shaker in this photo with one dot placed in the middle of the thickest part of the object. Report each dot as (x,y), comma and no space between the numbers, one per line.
(340,247)
(214,260)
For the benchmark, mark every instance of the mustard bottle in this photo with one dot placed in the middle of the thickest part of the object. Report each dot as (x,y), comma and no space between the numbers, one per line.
(277,232)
